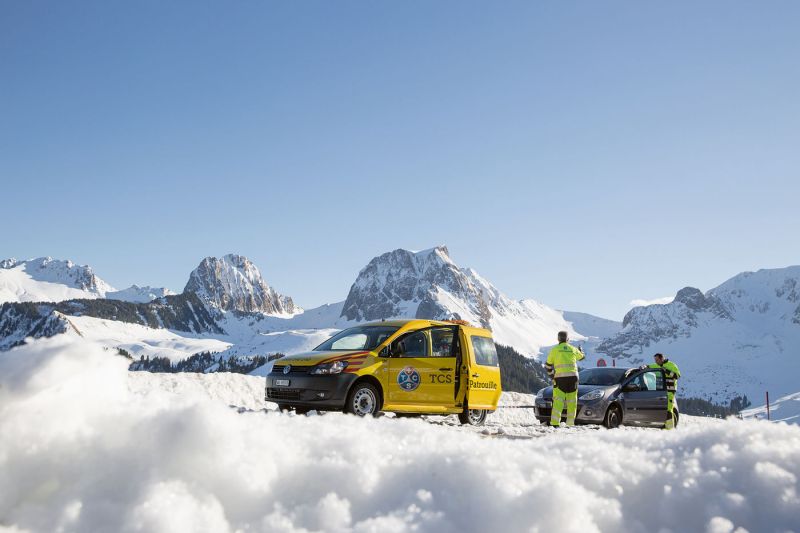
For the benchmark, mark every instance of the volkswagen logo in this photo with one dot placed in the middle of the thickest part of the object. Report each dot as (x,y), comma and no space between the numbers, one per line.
(287,369)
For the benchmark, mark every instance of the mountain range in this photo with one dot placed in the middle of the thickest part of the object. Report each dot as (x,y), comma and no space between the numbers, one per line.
(734,339)
(743,335)
(52,280)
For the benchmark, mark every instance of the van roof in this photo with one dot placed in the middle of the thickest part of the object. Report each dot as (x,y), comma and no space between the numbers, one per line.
(421,323)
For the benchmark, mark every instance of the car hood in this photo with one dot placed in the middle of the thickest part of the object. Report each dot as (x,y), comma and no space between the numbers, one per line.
(315,358)
(582,389)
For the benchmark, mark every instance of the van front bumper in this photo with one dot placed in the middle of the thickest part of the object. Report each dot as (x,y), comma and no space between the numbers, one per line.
(327,392)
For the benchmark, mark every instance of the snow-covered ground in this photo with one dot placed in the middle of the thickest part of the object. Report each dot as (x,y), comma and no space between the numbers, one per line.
(140,340)
(88,446)
(785,409)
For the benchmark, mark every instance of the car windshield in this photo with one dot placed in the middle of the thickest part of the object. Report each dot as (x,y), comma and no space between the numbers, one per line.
(358,338)
(601,376)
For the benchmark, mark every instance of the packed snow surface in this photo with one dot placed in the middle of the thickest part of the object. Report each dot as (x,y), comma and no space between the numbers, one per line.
(88,446)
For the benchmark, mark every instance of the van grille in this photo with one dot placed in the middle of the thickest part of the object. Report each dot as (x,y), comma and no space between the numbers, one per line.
(283,394)
(295,369)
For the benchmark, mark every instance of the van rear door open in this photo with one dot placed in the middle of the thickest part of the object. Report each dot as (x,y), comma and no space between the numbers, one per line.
(483,373)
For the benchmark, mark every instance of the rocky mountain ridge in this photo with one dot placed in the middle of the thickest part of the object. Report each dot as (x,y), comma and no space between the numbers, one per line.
(234,283)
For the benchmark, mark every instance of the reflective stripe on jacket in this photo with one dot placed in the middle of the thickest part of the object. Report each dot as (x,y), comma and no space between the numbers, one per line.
(671,374)
(562,361)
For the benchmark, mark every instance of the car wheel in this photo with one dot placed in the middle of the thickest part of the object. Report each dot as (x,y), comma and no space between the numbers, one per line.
(363,400)
(613,417)
(473,417)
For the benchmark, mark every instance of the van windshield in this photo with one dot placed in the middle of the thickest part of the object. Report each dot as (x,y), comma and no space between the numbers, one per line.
(601,376)
(358,338)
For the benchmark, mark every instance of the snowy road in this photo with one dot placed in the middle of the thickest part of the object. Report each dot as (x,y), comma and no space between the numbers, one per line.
(88,446)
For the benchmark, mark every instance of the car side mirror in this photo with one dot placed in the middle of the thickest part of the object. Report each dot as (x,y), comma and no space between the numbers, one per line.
(630,387)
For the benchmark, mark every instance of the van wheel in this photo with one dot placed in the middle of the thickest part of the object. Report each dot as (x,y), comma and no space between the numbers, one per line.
(613,417)
(363,400)
(473,417)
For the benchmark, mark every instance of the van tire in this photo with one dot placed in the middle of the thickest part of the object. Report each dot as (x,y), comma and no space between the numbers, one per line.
(364,399)
(473,417)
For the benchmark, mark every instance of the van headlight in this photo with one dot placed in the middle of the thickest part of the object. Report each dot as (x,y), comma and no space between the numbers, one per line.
(595,394)
(329,368)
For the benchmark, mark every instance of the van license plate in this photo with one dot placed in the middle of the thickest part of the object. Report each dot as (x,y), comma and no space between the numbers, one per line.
(281,382)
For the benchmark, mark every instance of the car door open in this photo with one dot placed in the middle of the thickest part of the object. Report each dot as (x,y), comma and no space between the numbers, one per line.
(645,397)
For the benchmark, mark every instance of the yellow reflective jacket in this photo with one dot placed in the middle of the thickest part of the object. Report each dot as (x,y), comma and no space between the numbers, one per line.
(671,374)
(562,361)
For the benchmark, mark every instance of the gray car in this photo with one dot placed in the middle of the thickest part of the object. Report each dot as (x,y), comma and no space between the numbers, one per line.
(615,396)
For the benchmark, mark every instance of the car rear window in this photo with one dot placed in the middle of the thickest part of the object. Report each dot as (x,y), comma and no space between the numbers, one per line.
(485,351)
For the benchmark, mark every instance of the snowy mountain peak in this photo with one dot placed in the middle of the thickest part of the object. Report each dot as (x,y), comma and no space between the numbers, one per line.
(48,279)
(766,291)
(428,284)
(137,294)
(424,284)
(234,283)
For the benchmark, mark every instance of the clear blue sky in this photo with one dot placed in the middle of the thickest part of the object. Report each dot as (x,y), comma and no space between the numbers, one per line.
(580,153)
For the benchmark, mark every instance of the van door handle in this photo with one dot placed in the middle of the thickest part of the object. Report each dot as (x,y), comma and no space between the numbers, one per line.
(476,375)
(445,370)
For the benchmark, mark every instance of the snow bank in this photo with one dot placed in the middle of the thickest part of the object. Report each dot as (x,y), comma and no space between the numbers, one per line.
(234,390)
(82,450)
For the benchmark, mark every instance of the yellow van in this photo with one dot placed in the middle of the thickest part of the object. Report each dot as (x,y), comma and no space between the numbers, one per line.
(409,367)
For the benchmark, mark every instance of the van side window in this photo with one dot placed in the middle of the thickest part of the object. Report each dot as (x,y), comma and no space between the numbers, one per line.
(413,345)
(485,351)
(442,340)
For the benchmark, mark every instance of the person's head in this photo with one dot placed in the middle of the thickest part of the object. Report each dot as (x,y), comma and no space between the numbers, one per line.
(659,358)
(562,336)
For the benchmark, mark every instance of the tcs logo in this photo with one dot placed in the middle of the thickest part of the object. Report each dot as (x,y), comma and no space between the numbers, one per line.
(408,379)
